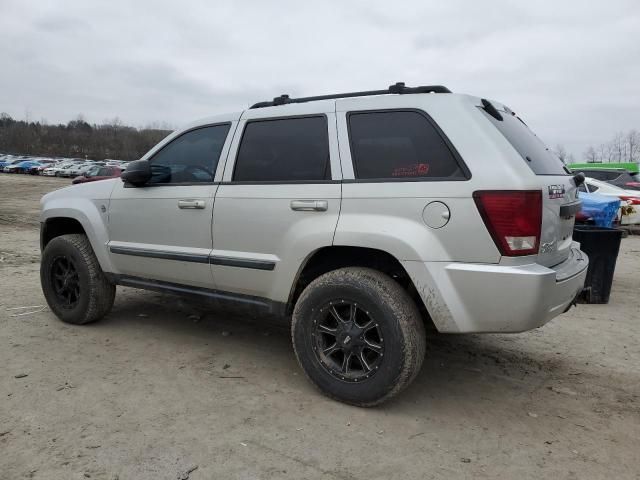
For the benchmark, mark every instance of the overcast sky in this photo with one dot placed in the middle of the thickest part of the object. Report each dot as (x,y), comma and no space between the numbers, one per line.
(570,70)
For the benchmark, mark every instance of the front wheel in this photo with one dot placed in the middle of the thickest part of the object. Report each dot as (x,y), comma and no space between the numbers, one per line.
(358,336)
(73,283)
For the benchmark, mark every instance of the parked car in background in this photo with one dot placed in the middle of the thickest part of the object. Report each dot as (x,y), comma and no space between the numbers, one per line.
(80,168)
(615,176)
(98,173)
(52,170)
(43,163)
(630,207)
(21,167)
(9,161)
(65,170)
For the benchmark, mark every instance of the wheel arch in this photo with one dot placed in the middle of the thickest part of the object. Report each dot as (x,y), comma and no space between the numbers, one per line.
(333,257)
(62,221)
(57,226)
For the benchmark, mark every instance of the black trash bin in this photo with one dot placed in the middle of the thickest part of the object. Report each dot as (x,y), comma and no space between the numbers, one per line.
(601,244)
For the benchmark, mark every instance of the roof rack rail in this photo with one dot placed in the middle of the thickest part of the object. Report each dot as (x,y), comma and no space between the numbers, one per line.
(398,88)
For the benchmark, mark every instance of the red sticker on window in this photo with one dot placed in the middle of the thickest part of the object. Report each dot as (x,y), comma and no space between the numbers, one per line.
(415,170)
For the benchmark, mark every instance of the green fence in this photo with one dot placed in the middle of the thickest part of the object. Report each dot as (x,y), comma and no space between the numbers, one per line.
(630,166)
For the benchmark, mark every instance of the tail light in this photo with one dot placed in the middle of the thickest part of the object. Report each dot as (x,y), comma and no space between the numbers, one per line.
(513,218)
(632,200)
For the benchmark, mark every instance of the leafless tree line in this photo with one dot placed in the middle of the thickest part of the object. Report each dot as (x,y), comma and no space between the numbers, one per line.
(623,147)
(78,138)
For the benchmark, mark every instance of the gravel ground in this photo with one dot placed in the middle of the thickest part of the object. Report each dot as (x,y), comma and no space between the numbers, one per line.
(161,389)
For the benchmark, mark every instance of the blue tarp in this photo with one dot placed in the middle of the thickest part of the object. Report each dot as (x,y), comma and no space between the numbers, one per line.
(599,208)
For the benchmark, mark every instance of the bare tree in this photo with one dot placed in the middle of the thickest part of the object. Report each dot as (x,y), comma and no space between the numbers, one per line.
(590,155)
(632,140)
(561,152)
(623,147)
(617,148)
(604,152)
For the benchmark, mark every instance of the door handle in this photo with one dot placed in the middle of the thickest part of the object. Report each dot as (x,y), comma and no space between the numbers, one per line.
(192,204)
(310,205)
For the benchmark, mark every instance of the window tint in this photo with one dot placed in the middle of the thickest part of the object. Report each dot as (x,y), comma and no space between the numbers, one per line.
(534,153)
(398,145)
(582,188)
(190,158)
(595,174)
(593,188)
(104,172)
(284,150)
(609,176)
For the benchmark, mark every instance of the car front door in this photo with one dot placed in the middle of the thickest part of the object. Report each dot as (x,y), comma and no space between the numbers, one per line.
(162,230)
(279,199)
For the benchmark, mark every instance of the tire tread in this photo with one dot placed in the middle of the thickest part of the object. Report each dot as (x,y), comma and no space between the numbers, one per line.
(406,312)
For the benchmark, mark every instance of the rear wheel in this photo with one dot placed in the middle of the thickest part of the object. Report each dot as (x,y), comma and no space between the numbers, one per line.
(73,283)
(358,336)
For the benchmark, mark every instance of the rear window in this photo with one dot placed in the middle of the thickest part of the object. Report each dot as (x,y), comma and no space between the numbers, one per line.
(400,145)
(598,175)
(534,153)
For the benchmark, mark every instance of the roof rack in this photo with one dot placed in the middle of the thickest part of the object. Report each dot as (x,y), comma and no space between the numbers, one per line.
(398,88)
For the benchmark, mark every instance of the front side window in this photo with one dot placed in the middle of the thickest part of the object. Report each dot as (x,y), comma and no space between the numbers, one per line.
(282,150)
(190,158)
(400,145)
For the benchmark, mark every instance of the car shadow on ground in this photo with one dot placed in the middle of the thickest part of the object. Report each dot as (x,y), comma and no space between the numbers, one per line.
(455,365)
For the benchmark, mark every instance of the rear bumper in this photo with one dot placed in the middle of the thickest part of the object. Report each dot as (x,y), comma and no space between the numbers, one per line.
(474,298)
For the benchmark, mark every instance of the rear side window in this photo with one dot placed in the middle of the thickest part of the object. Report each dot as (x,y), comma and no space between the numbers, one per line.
(539,158)
(190,158)
(400,145)
(281,150)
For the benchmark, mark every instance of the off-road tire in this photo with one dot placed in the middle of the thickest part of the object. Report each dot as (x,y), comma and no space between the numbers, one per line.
(96,292)
(395,313)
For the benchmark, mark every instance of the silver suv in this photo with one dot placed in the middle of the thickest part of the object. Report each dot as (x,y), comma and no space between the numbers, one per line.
(363,218)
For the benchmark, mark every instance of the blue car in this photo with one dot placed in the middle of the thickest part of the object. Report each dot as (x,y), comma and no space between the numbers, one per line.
(21,167)
(9,161)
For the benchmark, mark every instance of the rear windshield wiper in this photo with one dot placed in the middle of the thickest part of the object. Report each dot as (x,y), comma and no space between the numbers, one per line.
(491,110)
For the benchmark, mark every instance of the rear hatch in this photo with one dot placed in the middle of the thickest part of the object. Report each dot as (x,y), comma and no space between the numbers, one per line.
(559,191)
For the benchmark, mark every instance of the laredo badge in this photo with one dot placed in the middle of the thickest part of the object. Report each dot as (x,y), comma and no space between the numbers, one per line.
(556,191)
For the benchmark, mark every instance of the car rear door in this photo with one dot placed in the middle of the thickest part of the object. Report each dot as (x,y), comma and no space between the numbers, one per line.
(279,199)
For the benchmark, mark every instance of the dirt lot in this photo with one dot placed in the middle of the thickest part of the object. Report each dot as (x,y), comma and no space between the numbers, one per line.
(152,392)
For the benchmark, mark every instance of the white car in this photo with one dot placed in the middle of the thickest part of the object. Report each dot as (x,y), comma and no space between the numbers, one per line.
(58,169)
(629,198)
(79,169)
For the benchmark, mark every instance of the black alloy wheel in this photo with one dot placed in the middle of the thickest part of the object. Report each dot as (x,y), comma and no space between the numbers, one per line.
(348,342)
(65,282)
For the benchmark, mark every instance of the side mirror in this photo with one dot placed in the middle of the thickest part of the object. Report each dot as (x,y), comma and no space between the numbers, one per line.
(137,173)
